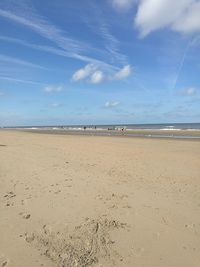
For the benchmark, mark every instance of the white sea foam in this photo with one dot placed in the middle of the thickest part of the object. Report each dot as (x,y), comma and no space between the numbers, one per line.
(170,129)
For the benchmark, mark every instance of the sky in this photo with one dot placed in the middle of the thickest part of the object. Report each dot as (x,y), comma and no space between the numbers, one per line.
(99,62)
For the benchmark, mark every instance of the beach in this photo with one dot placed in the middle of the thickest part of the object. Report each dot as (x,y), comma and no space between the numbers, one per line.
(84,200)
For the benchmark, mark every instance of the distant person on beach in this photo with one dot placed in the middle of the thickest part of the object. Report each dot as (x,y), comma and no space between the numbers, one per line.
(123,131)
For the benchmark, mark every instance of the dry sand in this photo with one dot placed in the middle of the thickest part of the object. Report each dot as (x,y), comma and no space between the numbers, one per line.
(98,201)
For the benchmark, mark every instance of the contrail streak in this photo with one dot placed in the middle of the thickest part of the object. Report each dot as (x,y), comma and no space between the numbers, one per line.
(182,61)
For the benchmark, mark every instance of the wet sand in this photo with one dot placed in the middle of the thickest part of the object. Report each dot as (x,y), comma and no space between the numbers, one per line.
(148,133)
(74,200)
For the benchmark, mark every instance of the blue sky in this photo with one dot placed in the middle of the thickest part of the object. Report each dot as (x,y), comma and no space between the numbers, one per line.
(99,62)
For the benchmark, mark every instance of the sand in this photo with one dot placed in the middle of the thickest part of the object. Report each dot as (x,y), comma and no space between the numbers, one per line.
(98,201)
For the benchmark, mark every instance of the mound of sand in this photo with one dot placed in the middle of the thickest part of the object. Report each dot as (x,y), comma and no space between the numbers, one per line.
(88,243)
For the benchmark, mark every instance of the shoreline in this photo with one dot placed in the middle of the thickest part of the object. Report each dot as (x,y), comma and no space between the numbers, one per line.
(192,135)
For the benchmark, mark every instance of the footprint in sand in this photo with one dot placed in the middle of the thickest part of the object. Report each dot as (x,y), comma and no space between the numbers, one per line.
(67,180)
(57,192)
(3,261)
(25,215)
(23,202)
(9,204)
(9,195)
(138,252)
(113,207)
(116,201)
(127,206)
(47,229)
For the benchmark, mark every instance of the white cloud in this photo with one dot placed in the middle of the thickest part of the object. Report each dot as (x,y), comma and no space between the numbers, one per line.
(188,91)
(53,88)
(56,105)
(190,22)
(181,16)
(122,73)
(83,72)
(111,104)
(122,5)
(97,77)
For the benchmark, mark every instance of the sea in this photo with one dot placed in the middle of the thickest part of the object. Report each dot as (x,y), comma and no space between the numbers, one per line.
(156,126)
(166,130)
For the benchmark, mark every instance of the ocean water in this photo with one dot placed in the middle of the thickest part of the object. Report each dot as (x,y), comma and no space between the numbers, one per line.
(160,126)
(166,130)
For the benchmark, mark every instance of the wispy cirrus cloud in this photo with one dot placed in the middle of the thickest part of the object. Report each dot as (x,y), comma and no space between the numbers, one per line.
(66,46)
(14,60)
(59,52)
(11,79)
(111,43)
(53,88)
(47,30)
(97,22)
(96,70)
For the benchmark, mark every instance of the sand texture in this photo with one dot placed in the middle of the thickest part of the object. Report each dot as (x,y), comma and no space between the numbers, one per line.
(98,201)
